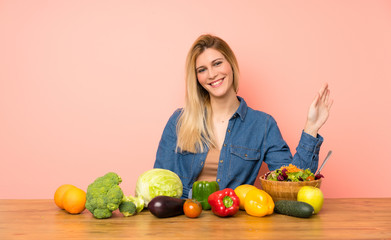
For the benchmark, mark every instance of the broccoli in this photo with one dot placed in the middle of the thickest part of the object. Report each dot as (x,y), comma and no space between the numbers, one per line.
(104,195)
(138,201)
(127,208)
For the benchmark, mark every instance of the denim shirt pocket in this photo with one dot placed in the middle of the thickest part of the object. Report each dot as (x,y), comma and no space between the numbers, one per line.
(242,162)
(246,153)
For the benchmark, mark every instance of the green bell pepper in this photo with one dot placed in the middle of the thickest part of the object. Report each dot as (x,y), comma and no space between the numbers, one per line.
(202,190)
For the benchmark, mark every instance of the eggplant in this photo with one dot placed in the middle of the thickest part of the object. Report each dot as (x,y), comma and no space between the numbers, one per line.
(164,206)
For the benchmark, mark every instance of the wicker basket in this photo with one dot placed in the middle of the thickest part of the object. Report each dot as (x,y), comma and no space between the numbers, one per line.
(280,190)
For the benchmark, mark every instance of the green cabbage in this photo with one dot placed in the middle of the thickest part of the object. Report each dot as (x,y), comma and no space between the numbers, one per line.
(158,182)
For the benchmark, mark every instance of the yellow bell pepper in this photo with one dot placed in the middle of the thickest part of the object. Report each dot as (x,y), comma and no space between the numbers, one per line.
(258,203)
(241,191)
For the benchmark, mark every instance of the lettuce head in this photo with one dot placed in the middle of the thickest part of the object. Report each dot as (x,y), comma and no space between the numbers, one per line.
(158,182)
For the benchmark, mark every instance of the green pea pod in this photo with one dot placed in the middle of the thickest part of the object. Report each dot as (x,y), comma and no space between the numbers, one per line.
(202,190)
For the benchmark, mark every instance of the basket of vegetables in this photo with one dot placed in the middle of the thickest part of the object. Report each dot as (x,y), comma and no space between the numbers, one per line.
(285,182)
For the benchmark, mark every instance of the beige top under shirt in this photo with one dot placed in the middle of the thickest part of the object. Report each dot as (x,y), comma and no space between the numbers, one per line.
(209,172)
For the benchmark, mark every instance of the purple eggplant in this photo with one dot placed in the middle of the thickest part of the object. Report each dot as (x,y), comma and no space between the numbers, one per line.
(164,206)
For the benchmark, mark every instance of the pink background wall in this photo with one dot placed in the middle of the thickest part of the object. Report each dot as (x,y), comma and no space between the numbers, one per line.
(86,87)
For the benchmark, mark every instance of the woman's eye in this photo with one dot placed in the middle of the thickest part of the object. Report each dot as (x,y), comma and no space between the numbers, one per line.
(200,70)
(218,63)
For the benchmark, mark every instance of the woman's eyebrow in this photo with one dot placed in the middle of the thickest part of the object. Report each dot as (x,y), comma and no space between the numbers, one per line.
(199,67)
(217,59)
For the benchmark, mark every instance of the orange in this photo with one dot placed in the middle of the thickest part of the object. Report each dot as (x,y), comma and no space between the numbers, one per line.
(59,194)
(74,200)
(241,191)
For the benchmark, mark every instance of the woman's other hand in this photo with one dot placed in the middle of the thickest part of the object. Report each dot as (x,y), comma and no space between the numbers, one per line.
(318,111)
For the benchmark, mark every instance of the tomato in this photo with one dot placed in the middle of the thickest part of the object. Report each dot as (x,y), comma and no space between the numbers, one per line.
(192,208)
(310,178)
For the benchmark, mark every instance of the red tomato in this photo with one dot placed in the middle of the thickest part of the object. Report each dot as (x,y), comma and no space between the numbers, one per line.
(192,208)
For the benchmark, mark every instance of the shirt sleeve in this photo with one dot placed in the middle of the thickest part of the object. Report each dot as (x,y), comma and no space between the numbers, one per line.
(277,152)
(165,154)
(307,152)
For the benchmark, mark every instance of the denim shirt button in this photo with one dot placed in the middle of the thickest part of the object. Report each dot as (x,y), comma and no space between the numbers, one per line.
(218,180)
(229,130)
(225,145)
(202,163)
(221,161)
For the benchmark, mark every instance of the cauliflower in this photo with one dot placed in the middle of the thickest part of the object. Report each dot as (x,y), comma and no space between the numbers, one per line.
(104,195)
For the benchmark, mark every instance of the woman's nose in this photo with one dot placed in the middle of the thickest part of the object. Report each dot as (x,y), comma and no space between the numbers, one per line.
(212,74)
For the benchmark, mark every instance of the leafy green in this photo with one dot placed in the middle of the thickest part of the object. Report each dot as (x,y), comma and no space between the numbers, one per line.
(283,175)
(158,182)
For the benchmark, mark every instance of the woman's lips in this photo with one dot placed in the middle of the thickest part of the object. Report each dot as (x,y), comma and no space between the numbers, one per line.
(216,83)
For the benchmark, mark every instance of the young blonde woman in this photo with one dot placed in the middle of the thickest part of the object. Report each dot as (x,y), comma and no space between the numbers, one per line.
(217,137)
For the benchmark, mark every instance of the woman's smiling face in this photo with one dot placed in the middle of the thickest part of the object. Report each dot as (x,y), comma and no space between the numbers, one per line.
(214,73)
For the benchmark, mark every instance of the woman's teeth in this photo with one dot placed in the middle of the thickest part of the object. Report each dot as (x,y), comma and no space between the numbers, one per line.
(216,83)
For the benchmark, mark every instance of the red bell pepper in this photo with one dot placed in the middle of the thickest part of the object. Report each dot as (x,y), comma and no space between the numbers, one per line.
(224,203)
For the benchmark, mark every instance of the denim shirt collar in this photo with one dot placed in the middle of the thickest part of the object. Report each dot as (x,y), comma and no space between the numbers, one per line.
(242,109)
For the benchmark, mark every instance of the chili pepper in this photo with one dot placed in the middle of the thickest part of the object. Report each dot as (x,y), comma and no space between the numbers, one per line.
(258,203)
(202,190)
(224,203)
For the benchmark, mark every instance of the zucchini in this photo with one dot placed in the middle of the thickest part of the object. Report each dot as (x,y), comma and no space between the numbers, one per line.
(294,208)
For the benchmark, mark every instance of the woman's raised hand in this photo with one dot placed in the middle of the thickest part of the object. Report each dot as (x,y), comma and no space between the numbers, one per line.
(318,111)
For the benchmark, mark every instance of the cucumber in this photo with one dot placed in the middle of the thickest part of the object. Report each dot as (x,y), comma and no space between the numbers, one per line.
(294,208)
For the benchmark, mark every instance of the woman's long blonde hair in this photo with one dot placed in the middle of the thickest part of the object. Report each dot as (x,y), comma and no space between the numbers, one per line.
(194,128)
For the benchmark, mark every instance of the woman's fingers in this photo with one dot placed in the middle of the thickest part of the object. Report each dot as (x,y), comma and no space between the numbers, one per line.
(324,90)
(326,100)
(315,101)
(329,106)
(326,96)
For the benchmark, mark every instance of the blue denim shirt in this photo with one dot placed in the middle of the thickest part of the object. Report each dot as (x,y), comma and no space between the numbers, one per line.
(252,138)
